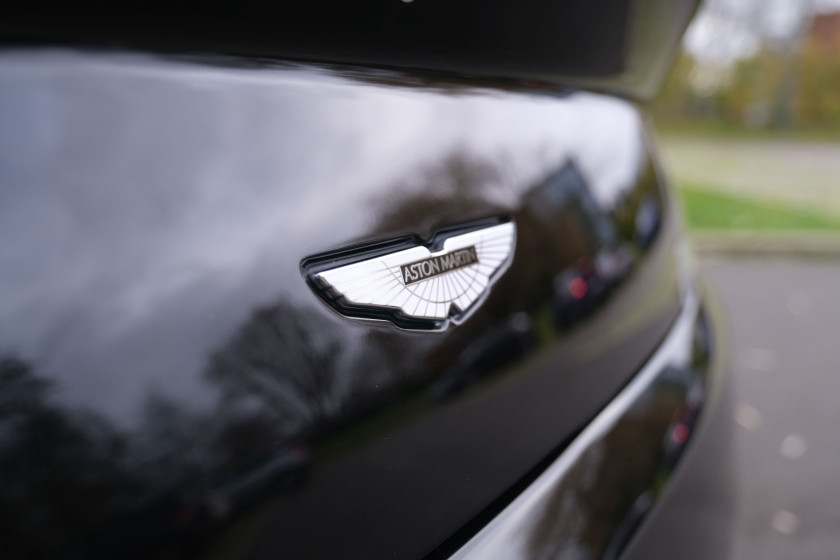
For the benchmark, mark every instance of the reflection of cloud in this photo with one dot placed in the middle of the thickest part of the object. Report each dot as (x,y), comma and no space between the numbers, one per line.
(151,204)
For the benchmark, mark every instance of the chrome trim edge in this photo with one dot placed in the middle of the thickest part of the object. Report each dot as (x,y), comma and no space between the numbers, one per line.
(503,536)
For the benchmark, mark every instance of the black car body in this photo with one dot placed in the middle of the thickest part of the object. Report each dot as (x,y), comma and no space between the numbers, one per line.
(175,381)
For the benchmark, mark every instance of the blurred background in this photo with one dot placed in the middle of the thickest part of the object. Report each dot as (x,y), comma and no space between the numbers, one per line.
(749,127)
(750,116)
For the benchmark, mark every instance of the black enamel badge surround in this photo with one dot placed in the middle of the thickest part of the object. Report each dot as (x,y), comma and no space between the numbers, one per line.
(311,266)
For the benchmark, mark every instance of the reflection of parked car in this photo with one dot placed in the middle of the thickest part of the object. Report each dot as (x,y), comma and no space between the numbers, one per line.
(166,522)
(579,289)
(613,265)
(648,219)
(575,295)
(180,519)
(257,480)
(487,354)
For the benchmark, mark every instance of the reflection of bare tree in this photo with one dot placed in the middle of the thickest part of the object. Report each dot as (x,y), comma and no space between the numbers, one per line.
(452,191)
(62,470)
(73,484)
(67,473)
(286,361)
(174,448)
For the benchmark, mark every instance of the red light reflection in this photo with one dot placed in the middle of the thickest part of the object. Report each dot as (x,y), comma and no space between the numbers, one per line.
(578,288)
(680,433)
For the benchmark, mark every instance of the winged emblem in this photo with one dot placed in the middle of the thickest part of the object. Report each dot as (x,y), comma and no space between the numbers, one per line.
(416,285)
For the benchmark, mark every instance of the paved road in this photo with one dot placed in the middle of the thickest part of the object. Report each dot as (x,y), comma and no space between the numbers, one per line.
(785,329)
(804,173)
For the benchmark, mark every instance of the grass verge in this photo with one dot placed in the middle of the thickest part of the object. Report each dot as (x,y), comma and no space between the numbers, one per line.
(707,209)
(721,131)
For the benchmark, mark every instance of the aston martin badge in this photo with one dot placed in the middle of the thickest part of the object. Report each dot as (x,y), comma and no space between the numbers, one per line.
(414,284)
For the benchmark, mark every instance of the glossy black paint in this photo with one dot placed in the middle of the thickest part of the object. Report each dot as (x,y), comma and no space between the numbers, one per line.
(170,384)
(621,45)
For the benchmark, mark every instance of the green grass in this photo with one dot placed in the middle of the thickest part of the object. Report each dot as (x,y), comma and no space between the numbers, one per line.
(706,208)
(722,131)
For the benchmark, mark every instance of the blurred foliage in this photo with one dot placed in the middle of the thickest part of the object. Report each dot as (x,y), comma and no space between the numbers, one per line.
(770,90)
(818,100)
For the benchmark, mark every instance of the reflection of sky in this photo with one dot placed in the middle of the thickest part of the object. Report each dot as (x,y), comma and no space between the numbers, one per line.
(147,206)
